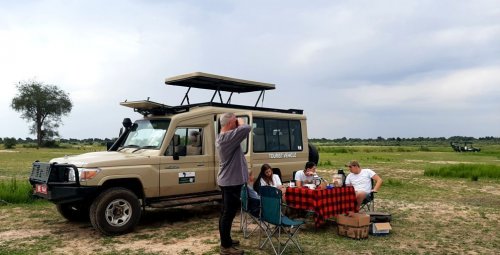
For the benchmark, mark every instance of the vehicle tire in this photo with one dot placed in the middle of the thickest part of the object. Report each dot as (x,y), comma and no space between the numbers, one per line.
(115,211)
(74,211)
(313,154)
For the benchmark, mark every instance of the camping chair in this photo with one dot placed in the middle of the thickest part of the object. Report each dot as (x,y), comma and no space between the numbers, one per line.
(273,222)
(246,215)
(368,204)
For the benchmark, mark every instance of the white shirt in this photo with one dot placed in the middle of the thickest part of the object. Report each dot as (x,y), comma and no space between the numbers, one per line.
(361,181)
(301,176)
(276,181)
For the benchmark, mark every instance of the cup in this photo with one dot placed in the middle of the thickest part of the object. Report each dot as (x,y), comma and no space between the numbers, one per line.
(292,184)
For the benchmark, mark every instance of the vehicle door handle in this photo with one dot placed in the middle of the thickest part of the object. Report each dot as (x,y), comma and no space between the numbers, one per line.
(200,165)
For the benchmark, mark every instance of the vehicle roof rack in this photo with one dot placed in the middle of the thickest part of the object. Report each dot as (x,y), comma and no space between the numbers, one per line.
(218,83)
(146,107)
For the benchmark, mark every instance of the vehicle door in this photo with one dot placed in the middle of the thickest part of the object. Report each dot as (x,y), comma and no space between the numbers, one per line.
(188,163)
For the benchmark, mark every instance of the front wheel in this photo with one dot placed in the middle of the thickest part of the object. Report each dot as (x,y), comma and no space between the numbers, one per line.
(115,211)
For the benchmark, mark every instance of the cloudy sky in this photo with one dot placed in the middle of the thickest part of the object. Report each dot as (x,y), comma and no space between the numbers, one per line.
(358,68)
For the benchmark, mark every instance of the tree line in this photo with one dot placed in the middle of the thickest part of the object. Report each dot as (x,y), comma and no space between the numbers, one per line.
(401,141)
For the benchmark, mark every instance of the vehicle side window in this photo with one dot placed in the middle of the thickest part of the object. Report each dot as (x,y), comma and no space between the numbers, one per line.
(186,142)
(276,135)
(295,135)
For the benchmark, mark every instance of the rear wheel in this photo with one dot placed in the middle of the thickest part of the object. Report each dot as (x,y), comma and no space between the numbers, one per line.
(74,211)
(115,211)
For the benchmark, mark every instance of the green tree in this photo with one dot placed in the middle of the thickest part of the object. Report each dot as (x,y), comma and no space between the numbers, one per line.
(9,143)
(42,105)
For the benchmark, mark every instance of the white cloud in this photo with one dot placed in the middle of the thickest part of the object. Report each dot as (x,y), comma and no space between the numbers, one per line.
(462,89)
(388,65)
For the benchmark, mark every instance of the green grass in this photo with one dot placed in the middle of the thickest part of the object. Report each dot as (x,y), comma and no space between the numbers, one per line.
(473,171)
(15,191)
(17,162)
(431,214)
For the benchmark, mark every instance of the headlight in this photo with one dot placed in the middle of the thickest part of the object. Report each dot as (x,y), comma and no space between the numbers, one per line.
(88,173)
(71,174)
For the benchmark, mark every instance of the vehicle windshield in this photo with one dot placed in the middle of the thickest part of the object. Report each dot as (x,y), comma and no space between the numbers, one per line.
(147,134)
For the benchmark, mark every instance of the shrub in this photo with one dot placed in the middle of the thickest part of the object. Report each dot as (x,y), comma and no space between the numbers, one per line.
(9,143)
(50,144)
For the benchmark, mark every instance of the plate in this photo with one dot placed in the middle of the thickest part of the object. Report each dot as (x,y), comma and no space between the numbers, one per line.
(41,188)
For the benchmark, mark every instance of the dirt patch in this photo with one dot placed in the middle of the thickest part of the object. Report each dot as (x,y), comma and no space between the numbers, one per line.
(20,234)
(450,162)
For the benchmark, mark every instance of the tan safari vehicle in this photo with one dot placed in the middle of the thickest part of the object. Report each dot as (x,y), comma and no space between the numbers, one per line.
(168,158)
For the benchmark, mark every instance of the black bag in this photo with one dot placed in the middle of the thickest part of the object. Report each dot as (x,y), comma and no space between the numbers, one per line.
(378,217)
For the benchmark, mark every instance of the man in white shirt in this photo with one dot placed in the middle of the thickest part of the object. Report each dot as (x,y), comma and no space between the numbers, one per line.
(361,179)
(307,176)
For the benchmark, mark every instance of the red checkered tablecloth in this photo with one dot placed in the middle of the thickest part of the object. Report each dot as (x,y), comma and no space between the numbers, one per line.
(325,202)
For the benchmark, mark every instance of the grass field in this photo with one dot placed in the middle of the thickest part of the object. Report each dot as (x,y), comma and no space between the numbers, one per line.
(431,214)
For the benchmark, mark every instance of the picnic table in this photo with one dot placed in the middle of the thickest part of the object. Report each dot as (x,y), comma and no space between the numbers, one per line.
(326,203)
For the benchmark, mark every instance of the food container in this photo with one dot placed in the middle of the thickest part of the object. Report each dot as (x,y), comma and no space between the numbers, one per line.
(310,186)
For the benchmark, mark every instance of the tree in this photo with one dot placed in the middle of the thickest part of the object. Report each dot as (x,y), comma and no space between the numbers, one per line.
(9,143)
(42,105)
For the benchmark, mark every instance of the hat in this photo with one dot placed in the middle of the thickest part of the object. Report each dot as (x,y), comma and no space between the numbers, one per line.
(352,163)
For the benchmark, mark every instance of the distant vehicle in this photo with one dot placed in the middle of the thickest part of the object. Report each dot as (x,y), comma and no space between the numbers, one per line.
(467,147)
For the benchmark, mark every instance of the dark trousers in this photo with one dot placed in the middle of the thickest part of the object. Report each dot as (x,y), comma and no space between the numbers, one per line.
(230,205)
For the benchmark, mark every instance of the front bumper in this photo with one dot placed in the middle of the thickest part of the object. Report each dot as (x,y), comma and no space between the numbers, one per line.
(52,182)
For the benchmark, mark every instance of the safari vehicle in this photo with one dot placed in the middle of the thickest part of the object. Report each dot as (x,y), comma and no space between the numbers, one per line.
(467,147)
(168,158)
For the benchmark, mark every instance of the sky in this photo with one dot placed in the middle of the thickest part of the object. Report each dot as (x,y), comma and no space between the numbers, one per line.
(358,69)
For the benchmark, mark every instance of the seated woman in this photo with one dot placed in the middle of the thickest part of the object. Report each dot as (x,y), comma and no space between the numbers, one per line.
(268,178)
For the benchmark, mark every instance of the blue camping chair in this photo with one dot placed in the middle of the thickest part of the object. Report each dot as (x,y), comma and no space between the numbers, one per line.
(274,223)
(248,216)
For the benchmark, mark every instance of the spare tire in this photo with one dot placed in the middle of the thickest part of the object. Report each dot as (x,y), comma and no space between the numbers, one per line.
(313,154)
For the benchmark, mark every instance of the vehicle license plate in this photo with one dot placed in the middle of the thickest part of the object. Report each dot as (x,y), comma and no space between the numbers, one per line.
(41,188)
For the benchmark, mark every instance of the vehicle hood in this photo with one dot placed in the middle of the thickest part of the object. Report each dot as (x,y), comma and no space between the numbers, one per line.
(106,159)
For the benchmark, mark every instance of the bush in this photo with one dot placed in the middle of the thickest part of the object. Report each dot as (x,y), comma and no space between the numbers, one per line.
(50,144)
(9,143)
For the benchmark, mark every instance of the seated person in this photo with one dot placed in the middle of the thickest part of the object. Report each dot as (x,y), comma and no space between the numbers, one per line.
(268,178)
(253,197)
(307,176)
(361,180)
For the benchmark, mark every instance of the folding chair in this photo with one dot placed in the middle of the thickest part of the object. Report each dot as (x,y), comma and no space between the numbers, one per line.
(368,204)
(273,222)
(246,215)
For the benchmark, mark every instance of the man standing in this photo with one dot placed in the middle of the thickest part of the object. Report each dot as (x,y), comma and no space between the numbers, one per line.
(233,173)
(361,179)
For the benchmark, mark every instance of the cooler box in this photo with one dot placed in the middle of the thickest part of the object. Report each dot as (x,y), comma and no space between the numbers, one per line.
(380,223)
